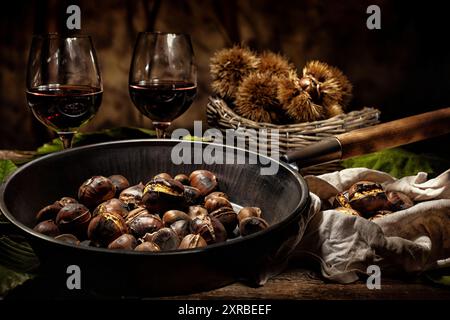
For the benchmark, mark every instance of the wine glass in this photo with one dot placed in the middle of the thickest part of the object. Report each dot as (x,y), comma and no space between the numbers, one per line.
(163,77)
(64,86)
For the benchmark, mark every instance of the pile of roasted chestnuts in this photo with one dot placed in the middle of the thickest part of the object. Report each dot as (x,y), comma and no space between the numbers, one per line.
(369,200)
(182,212)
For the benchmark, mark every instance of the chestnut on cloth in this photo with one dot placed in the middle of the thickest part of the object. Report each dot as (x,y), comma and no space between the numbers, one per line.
(406,241)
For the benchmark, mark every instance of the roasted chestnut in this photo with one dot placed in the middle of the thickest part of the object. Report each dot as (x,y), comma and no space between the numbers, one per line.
(398,201)
(124,242)
(144,223)
(216,194)
(341,200)
(112,206)
(74,218)
(191,195)
(96,190)
(66,200)
(161,195)
(380,214)
(147,246)
(163,175)
(135,212)
(251,225)
(197,211)
(48,227)
(48,212)
(192,241)
(172,216)
(215,203)
(367,197)
(247,212)
(211,229)
(165,238)
(132,196)
(348,211)
(203,180)
(184,179)
(181,227)
(68,238)
(90,243)
(106,227)
(120,182)
(227,217)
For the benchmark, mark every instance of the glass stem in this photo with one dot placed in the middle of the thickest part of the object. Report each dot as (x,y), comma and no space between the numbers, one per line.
(66,139)
(161,128)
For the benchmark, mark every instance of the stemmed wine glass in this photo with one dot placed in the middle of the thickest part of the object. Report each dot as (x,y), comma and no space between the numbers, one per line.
(163,77)
(64,86)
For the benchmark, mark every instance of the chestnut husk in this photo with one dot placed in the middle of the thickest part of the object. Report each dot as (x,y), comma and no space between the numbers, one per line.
(215,203)
(112,206)
(192,241)
(165,238)
(74,218)
(132,196)
(124,242)
(96,190)
(48,227)
(367,197)
(106,227)
(398,201)
(148,246)
(171,216)
(120,182)
(48,212)
(203,180)
(228,218)
(161,195)
(144,223)
(210,228)
(252,225)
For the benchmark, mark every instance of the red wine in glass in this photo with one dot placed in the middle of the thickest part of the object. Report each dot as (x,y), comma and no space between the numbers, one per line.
(64,86)
(163,77)
(163,101)
(64,108)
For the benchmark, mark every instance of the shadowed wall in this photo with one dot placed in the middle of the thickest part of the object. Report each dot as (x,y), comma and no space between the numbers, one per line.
(403,69)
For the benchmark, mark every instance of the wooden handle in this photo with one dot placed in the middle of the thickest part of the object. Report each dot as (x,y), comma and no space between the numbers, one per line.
(371,139)
(395,133)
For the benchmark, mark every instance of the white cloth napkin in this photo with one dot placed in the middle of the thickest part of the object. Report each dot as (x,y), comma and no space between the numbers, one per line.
(407,241)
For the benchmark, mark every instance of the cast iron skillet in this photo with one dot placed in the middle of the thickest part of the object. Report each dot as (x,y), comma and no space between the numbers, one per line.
(283,198)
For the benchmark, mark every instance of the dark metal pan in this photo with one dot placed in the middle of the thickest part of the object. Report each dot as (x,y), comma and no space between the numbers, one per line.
(283,197)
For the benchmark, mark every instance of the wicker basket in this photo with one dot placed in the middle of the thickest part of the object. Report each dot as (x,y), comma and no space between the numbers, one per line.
(294,136)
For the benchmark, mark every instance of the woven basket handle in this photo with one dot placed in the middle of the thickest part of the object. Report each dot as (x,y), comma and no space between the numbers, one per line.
(362,141)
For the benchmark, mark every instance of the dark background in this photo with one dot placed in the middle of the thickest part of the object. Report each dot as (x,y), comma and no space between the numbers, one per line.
(402,69)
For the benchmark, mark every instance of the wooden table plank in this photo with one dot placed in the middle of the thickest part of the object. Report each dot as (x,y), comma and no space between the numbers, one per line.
(301,284)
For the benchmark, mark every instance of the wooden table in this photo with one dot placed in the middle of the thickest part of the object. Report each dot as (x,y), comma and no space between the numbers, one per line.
(303,284)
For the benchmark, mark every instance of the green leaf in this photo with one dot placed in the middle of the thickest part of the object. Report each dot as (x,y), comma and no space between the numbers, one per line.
(439,276)
(396,162)
(114,134)
(9,279)
(6,168)
(52,146)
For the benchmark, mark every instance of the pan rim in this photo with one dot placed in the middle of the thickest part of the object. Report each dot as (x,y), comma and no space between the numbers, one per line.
(298,210)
